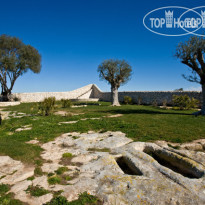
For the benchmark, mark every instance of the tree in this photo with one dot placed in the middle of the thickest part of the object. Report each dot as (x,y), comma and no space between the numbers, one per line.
(116,73)
(16,58)
(191,53)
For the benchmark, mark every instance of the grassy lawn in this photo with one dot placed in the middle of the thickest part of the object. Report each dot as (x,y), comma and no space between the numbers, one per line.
(141,123)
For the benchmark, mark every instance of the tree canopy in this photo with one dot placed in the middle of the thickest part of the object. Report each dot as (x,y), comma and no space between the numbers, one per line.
(191,53)
(115,72)
(16,58)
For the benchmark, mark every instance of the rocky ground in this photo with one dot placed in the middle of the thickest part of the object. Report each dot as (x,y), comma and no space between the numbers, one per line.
(115,169)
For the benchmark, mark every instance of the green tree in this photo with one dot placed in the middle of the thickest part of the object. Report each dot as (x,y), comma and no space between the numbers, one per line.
(191,53)
(116,73)
(16,58)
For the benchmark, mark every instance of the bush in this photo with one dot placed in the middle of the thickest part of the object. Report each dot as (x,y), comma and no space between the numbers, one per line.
(185,102)
(164,103)
(154,103)
(66,103)
(139,101)
(46,107)
(127,100)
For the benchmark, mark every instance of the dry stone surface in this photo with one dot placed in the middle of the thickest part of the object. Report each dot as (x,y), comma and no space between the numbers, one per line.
(115,169)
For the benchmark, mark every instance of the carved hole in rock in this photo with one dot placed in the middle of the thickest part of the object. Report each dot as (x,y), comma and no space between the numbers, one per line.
(176,163)
(127,166)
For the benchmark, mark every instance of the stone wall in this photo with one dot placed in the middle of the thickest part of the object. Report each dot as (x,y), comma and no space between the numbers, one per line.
(75,94)
(91,91)
(149,97)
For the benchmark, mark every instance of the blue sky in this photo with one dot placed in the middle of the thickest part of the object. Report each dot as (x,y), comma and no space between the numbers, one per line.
(75,36)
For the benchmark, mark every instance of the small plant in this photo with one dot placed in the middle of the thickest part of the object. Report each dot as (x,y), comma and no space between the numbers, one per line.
(83,199)
(38,171)
(61,170)
(31,178)
(36,191)
(68,178)
(54,180)
(67,155)
(46,107)
(58,200)
(66,103)
(50,174)
(185,102)
(127,100)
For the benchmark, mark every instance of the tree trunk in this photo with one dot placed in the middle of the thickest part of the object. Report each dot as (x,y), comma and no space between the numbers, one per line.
(203,100)
(114,93)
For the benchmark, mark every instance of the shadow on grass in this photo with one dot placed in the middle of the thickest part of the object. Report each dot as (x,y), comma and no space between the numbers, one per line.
(145,111)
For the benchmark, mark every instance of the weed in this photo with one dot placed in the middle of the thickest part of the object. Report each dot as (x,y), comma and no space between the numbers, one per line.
(61,170)
(54,180)
(36,191)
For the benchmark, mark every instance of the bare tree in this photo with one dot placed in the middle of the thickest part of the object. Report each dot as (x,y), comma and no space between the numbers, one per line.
(116,73)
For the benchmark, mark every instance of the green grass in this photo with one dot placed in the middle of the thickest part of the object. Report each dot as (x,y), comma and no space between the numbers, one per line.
(7,199)
(140,123)
(36,191)
(4,188)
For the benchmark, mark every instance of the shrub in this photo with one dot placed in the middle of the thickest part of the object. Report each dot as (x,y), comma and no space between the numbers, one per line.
(66,103)
(154,103)
(164,103)
(46,107)
(139,101)
(185,102)
(127,100)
